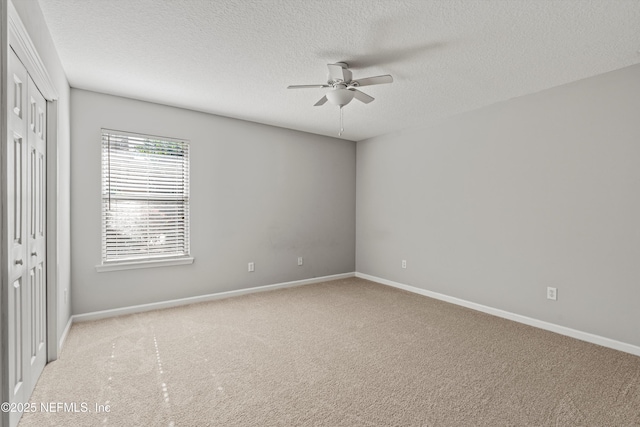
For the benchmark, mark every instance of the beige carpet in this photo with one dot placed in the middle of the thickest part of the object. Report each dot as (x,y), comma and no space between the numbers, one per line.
(341,353)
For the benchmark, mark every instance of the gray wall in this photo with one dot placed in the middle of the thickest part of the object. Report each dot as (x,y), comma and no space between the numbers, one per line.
(33,20)
(258,193)
(495,205)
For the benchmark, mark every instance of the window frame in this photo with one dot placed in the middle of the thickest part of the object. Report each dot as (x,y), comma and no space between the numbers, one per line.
(149,261)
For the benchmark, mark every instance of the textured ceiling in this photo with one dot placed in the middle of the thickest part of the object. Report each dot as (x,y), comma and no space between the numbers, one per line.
(236,57)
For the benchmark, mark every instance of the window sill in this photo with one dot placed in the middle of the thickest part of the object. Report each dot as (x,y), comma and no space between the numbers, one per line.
(130,265)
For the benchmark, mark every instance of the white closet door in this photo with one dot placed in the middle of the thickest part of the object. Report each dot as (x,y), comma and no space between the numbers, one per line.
(26,241)
(16,215)
(36,244)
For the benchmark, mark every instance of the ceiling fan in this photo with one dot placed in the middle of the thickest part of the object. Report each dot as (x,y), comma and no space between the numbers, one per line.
(343,88)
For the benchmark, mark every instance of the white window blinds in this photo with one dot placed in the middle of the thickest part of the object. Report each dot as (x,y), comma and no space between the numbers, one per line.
(145,197)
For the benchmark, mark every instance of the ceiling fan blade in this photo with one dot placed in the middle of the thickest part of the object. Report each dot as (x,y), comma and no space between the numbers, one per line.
(336,72)
(377,80)
(306,86)
(361,96)
(321,102)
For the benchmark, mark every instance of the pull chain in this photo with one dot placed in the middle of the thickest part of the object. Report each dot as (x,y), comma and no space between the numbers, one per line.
(341,123)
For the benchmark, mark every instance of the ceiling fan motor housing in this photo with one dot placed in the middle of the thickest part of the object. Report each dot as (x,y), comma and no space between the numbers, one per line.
(346,76)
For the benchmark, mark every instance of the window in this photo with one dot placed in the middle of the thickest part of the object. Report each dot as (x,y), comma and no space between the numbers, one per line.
(145,200)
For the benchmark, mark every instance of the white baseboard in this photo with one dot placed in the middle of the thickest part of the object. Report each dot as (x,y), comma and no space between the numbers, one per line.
(64,334)
(562,330)
(202,298)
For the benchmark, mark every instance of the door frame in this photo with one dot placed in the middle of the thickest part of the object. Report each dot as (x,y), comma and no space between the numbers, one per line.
(14,36)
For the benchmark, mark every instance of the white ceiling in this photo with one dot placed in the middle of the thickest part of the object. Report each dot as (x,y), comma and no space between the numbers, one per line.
(235,58)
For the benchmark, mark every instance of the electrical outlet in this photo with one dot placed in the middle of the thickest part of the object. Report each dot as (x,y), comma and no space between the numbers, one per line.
(251,267)
(299,260)
(66,297)
(404,263)
(552,293)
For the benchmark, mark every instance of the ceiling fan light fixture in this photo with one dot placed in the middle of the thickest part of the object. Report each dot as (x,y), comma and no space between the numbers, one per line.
(340,96)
